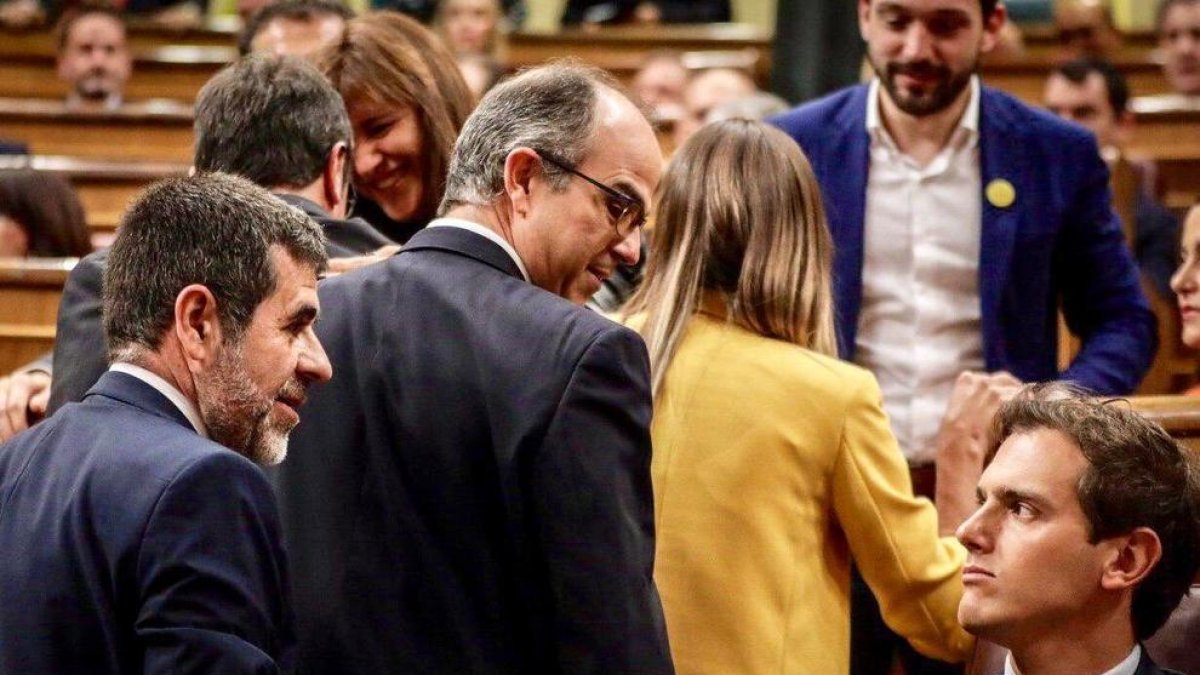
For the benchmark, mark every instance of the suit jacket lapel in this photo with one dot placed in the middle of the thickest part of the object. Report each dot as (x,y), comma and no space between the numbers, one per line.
(1001,159)
(463,242)
(846,160)
(132,391)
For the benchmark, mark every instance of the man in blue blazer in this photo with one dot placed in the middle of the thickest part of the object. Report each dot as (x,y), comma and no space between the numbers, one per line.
(1053,235)
(471,494)
(963,220)
(138,534)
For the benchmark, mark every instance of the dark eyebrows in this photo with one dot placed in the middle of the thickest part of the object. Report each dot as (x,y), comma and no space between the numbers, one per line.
(303,315)
(626,188)
(1010,496)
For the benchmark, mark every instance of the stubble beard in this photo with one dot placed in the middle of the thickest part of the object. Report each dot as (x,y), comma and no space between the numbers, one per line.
(940,97)
(237,415)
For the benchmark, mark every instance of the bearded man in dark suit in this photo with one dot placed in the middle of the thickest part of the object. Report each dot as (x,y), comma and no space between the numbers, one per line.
(139,534)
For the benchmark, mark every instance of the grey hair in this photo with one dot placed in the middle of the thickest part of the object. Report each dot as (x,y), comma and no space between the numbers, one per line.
(212,229)
(551,107)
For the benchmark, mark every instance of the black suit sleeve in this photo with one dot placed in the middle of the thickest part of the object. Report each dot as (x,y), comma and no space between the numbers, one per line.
(594,514)
(80,354)
(212,575)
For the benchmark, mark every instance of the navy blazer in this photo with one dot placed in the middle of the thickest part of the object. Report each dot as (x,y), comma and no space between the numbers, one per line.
(471,492)
(1059,239)
(131,544)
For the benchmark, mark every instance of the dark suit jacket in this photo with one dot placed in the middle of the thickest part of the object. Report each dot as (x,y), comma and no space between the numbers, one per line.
(132,544)
(80,353)
(1059,239)
(344,238)
(471,492)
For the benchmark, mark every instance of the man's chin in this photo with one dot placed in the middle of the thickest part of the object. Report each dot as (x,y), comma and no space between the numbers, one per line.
(270,449)
(92,92)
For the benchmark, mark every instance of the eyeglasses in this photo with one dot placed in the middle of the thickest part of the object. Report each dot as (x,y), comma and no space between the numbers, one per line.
(627,213)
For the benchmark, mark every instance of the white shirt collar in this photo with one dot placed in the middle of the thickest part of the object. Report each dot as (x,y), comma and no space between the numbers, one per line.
(968,124)
(1126,667)
(486,232)
(166,389)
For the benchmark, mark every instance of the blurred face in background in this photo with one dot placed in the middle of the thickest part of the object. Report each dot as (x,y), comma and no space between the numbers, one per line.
(1086,103)
(1084,28)
(1179,42)
(1186,281)
(94,59)
(660,82)
(469,26)
(287,36)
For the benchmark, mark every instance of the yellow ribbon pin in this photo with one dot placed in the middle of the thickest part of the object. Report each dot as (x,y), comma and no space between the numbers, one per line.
(1001,193)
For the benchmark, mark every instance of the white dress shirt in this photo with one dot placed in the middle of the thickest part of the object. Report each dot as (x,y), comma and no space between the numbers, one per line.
(166,389)
(485,232)
(919,325)
(1126,667)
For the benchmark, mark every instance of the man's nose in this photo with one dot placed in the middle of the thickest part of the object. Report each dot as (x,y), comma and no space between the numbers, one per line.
(973,532)
(314,365)
(918,43)
(629,250)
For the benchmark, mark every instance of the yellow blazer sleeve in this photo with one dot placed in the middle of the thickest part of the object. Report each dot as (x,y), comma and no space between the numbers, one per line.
(893,535)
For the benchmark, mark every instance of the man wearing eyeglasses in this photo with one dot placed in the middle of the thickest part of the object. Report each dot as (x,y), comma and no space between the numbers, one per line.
(471,494)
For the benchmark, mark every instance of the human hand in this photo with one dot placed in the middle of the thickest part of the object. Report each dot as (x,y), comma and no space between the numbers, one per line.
(23,399)
(962,441)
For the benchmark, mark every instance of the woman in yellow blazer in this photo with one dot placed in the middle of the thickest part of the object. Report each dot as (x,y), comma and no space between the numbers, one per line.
(774,464)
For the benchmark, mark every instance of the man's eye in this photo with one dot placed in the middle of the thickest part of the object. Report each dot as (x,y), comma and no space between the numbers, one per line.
(1022,510)
(615,210)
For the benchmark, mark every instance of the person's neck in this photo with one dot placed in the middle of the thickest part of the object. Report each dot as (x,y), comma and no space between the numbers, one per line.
(168,363)
(486,216)
(314,193)
(1085,647)
(922,138)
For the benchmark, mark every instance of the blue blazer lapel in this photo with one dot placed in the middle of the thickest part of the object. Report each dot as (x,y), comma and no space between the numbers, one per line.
(132,391)
(1001,158)
(845,162)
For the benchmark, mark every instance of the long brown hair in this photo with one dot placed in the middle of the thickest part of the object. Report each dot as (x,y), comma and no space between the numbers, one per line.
(739,214)
(392,59)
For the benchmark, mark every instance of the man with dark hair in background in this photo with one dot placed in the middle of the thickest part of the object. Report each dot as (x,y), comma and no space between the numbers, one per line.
(1086,538)
(963,220)
(93,57)
(139,535)
(294,27)
(1093,93)
(275,121)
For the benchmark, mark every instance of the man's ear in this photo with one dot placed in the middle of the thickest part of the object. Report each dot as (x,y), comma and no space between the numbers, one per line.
(864,18)
(993,24)
(197,327)
(521,168)
(1133,557)
(335,179)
